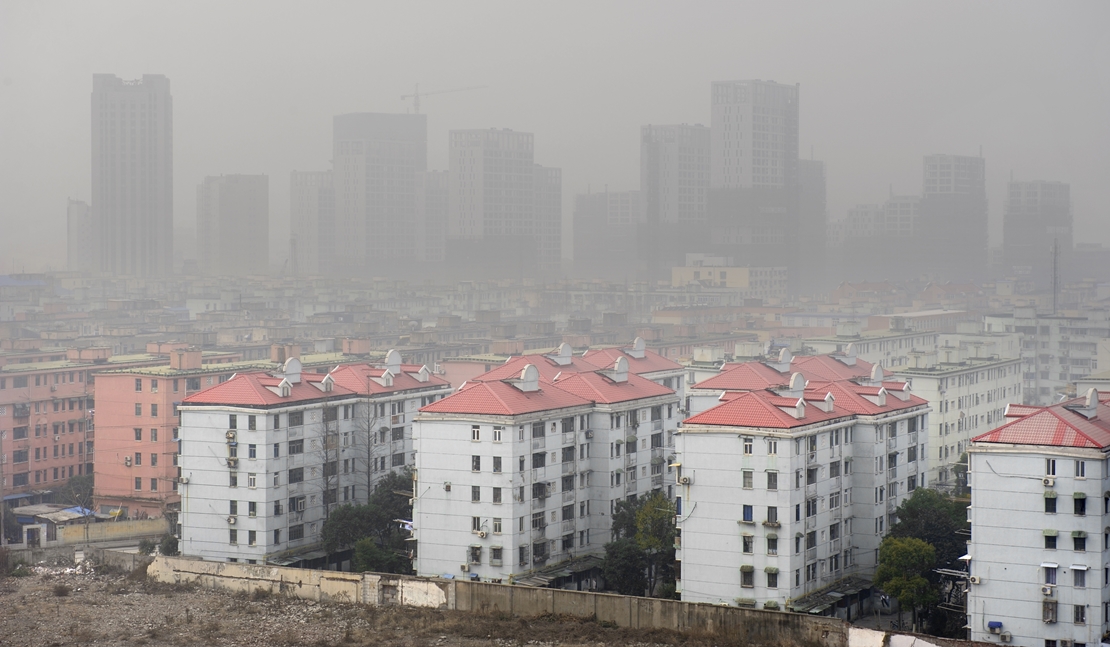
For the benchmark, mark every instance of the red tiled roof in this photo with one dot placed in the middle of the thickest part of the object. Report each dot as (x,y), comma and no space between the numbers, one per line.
(849,396)
(1055,426)
(827,367)
(749,376)
(599,388)
(249,389)
(758,409)
(547,367)
(503,399)
(358,378)
(651,362)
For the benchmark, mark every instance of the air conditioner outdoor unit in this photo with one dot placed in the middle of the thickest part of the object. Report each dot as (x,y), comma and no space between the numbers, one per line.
(685,480)
(482,534)
(1065,643)
(1048,481)
(974,579)
(1005,636)
(465,568)
(231,520)
(1046,591)
(57,438)
(230,435)
(233,462)
(53,387)
(184,480)
(590,434)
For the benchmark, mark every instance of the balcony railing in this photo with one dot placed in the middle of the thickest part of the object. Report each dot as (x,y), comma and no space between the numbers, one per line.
(568,467)
(892,442)
(657,481)
(539,504)
(568,526)
(630,460)
(834,545)
(891,506)
(657,425)
(629,487)
(539,443)
(811,554)
(568,438)
(656,452)
(539,533)
(811,458)
(892,474)
(912,440)
(568,496)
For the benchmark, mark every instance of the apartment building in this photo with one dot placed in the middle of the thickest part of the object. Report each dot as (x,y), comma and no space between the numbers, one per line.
(1056,350)
(522,472)
(322,440)
(783,493)
(889,347)
(1038,549)
(231,210)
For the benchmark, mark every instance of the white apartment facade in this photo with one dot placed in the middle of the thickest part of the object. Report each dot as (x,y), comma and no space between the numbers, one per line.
(1038,551)
(520,473)
(782,494)
(754,134)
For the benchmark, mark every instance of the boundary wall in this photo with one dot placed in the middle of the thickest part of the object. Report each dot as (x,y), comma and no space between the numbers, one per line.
(754,627)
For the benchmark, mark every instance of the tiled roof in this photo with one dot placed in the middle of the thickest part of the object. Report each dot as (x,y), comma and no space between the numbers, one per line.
(249,389)
(504,399)
(749,376)
(827,367)
(1055,426)
(547,367)
(849,397)
(760,409)
(651,362)
(359,378)
(599,388)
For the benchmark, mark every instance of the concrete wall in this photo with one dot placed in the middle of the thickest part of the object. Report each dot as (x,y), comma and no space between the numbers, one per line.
(112,531)
(749,626)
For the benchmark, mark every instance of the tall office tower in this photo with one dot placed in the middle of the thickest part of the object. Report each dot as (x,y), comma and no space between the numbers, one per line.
(492,227)
(607,227)
(674,183)
(132,173)
(547,209)
(755,134)
(82,238)
(1037,216)
(233,225)
(813,272)
(375,160)
(952,243)
(312,222)
(432,200)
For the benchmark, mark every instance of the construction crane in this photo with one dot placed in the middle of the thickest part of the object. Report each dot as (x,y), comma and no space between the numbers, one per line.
(415,96)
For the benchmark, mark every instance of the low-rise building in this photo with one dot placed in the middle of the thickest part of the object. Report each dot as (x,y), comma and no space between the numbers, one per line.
(788,492)
(521,472)
(1038,549)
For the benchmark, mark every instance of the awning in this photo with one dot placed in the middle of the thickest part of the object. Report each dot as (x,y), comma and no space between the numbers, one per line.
(1048,532)
(630,439)
(1049,565)
(1079,495)
(771,569)
(747,568)
(967,557)
(1078,567)
(772,535)
(1049,494)
(1078,533)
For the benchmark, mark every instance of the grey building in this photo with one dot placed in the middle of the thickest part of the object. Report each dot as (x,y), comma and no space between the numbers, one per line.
(82,238)
(674,183)
(312,222)
(132,173)
(1037,215)
(233,225)
(607,229)
(952,237)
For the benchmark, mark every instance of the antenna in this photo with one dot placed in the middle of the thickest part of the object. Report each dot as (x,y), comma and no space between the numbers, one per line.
(416,94)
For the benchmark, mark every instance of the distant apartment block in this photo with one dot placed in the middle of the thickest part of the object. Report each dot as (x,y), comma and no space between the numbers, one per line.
(608,228)
(674,173)
(132,173)
(755,134)
(233,225)
(1037,219)
(432,206)
(952,240)
(312,238)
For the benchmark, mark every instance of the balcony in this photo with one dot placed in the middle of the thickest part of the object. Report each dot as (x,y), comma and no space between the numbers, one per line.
(892,474)
(21,411)
(912,440)
(890,506)
(657,481)
(630,460)
(567,526)
(811,458)
(911,469)
(892,442)
(568,467)
(539,443)
(835,513)
(539,504)
(629,487)
(657,425)
(811,490)
(834,545)
(539,533)
(568,438)
(656,453)
(811,554)
(811,522)
(568,496)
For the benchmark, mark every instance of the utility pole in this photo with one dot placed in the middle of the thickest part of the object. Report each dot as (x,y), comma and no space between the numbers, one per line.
(3,506)
(1055,274)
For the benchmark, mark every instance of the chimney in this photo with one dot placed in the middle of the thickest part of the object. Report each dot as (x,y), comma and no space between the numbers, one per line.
(292,370)
(186,359)
(393,362)
(620,370)
(529,379)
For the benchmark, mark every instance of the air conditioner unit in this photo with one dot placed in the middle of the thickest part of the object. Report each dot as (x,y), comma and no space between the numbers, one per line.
(57,438)
(231,520)
(1047,591)
(589,434)
(184,480)
(975,579)
(1048,481)
(482,534)
(233,462)
(1065,643)
(685,480)
(465,568)
(53,387)
(1005,636)
(230,435)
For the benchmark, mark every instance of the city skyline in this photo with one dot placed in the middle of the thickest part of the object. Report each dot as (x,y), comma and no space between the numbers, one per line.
(871,138)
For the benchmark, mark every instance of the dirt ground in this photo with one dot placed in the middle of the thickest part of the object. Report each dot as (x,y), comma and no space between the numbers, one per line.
(67,605)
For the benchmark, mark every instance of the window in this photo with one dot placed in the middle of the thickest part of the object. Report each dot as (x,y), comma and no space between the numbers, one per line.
(138,434)
(772,545)
(539,459)
(811,507)
(497,525)
(834,468)
(1080,469)
(748,513)
(252,451)
(772,480)
(1048,615)
(1079,503)
(153,435)
(1080,613)
(296,475)
(252,480)
(138,483)
(747,477)
(1050,503)
(496,463)
(233,479)
(153,485)
(154,460)
(497,495)
(1050,467)
(1079,543)
(475,463)
(1079,577)
(749,444)
(138,384)
(538,520)
(296,532)
(233,536)
(277,536)
(475,433)
(748,544)
(497,432)
(1049,574)
(252,509)
(772,580)
(834,500)
(772,447)
(397,460)
(811,539)
(138,456)
(811,476)
(1050,541)
(233,421)
(747,577)
(397,433)
(296,446)
(296,419)
(475,493)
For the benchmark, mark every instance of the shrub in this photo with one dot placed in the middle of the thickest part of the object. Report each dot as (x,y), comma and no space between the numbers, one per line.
(61,590)
(168,546)
(147,546)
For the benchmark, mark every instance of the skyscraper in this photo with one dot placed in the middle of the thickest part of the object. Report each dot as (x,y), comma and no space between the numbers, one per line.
(953,219)
(813,273)
(82,238)
(1037,215)
(432,200)
(311,222)
(375,160)
(607,227)
(132,173)
(233,225)
(755,134)
(503,208)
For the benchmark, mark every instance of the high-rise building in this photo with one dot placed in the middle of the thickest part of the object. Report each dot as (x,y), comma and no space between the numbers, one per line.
(952,240)
(233,225)
(82,238)
(375,160)
(607,227)
(1037,217)
(500,223)
(674,184)
(132,173)
(755,134)
(311,222)
(432,200)
(813,218)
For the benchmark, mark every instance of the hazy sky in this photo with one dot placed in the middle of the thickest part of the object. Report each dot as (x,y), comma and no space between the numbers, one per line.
(255,85)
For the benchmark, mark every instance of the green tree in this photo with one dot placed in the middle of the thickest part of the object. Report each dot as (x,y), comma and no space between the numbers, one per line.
(655,533)
(939,520)
(376,521)
(625,567)
(369,556)
(78,490)
(904,563)
(168,545)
